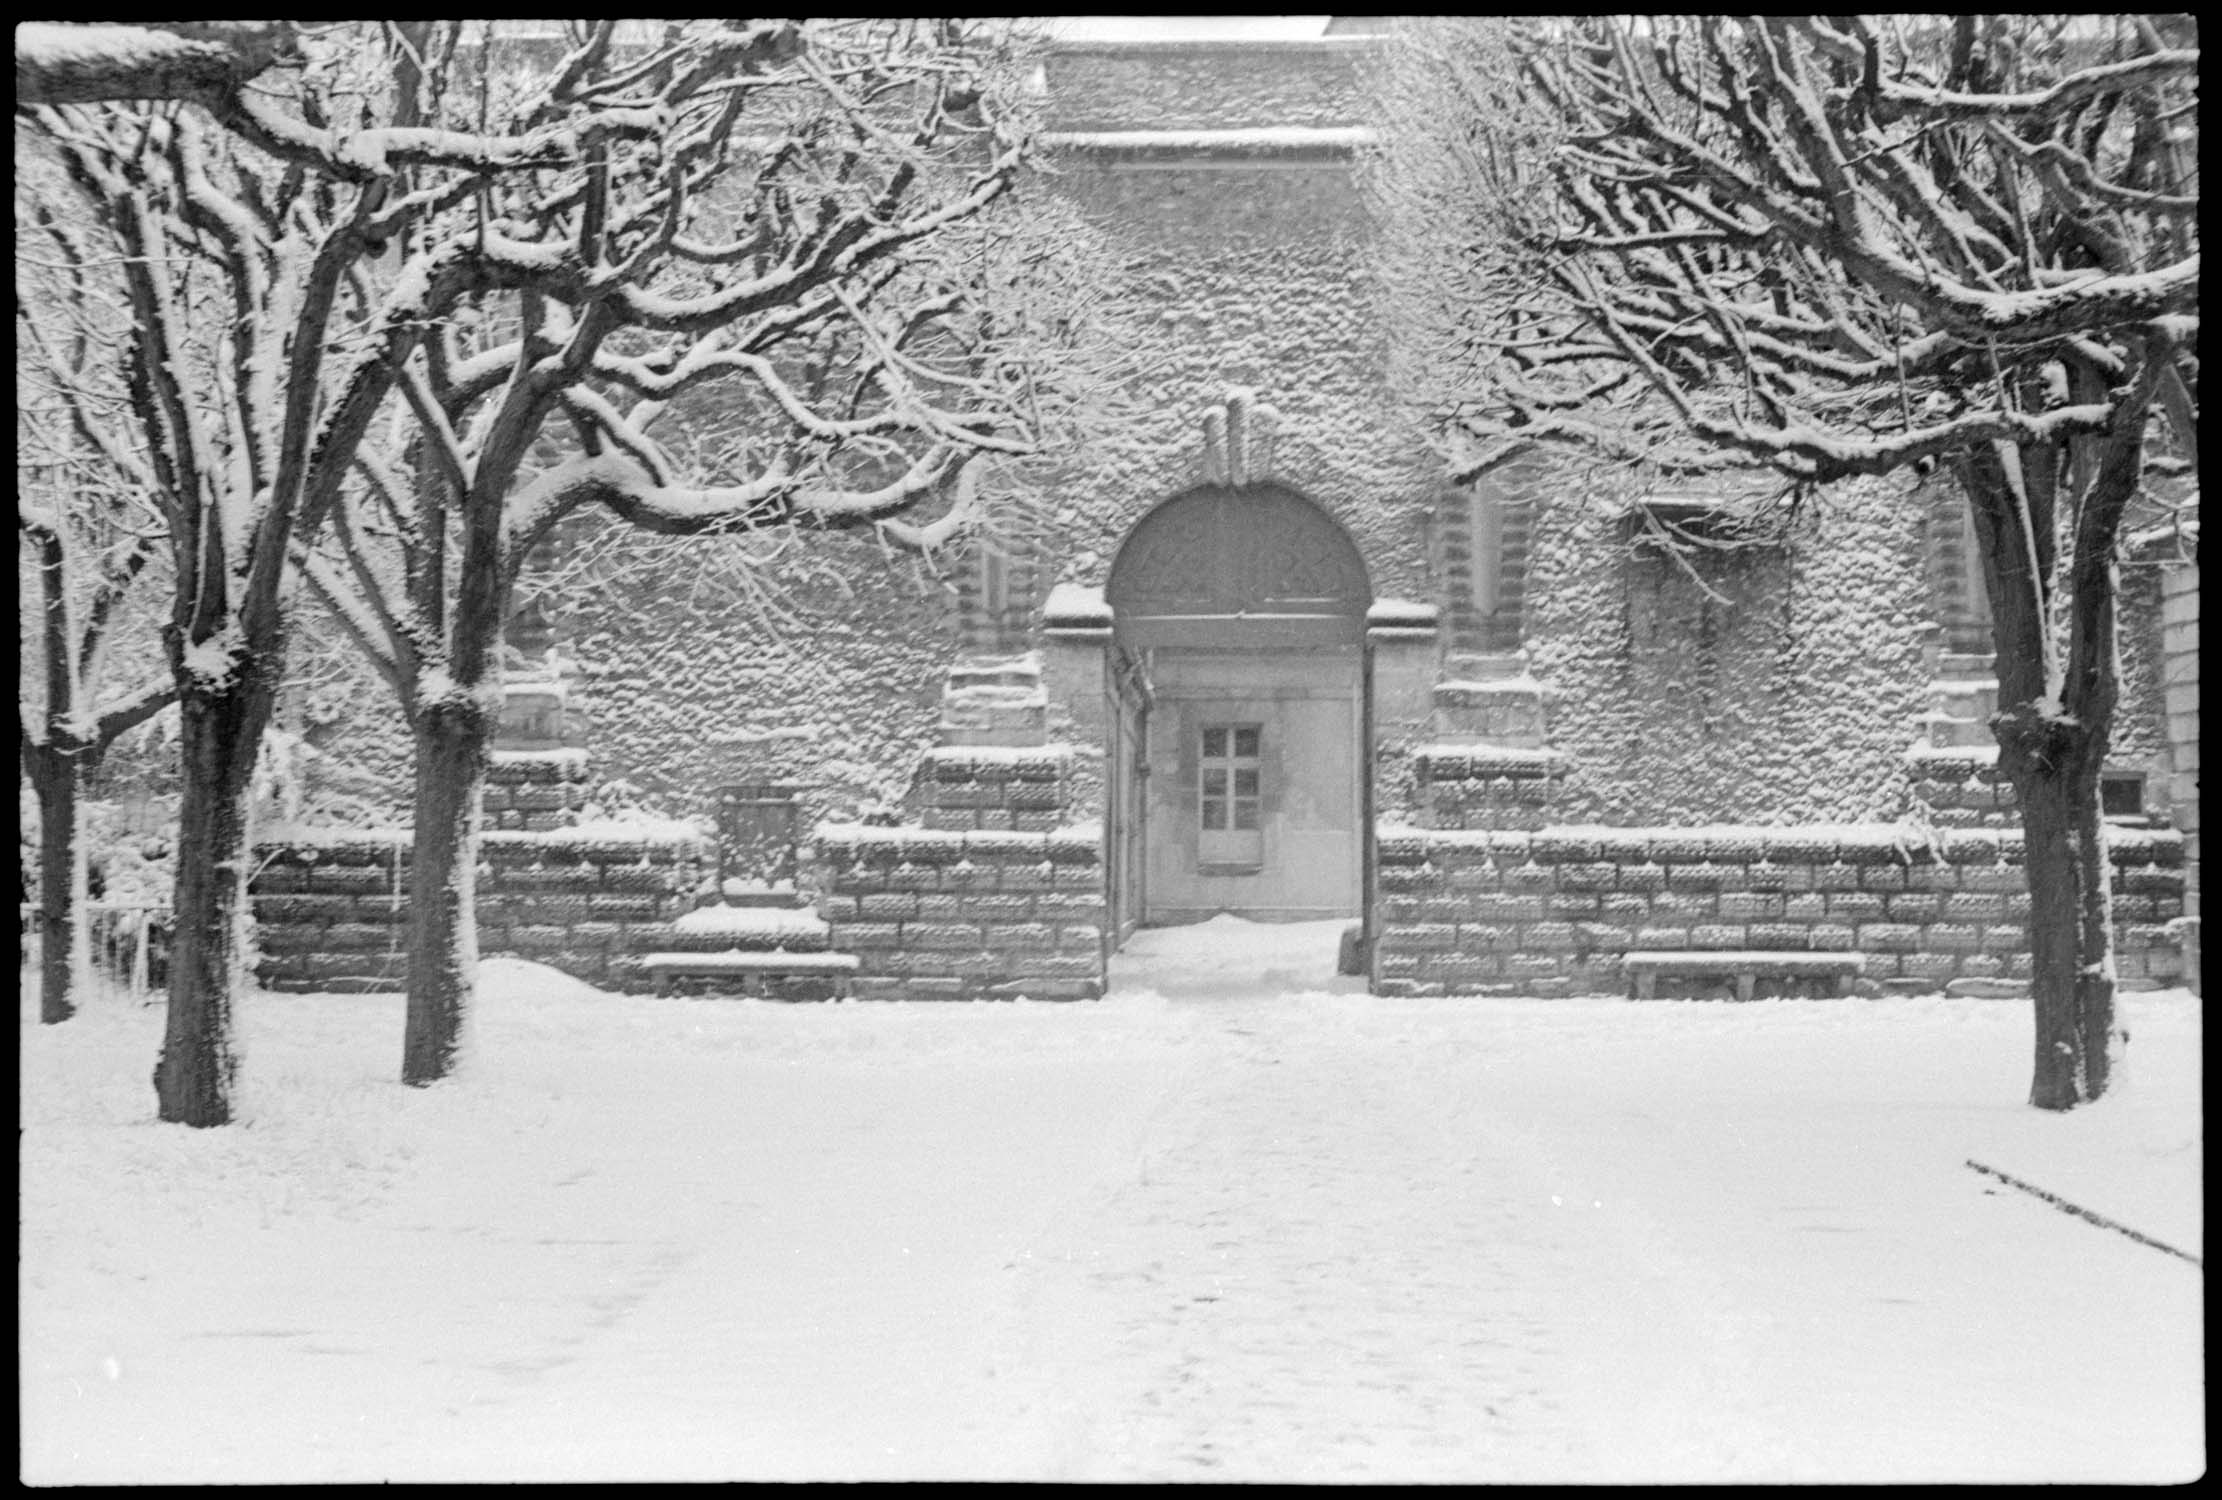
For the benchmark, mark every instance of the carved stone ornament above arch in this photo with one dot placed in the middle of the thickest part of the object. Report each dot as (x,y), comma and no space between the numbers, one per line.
(1258,566)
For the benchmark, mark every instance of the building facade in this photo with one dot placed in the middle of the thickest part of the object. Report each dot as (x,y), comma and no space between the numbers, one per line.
(1259,657)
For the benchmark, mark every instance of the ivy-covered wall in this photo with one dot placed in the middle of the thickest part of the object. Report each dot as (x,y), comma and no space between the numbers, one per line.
(1780,684)
(827,672)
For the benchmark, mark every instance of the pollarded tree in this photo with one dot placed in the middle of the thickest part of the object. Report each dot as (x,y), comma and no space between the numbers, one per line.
(257,354)
(810,262)
(1834,247)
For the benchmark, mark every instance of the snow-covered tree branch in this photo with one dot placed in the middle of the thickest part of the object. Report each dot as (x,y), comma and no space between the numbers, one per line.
(276,257)
(1837,247)
(89,543)
(66,63)
(832,291)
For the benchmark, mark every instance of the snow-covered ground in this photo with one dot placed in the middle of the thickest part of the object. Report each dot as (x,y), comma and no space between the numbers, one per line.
(1237,1221)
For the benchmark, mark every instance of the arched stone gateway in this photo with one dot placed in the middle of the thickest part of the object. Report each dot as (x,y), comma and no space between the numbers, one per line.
(1258,566)
(1238,644)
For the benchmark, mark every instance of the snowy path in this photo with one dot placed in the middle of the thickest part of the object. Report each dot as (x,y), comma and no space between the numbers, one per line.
(1358,1245)
(1235,1222)
(1325,1269)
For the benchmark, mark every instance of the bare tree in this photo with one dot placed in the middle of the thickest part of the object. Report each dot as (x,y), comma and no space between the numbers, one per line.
(1832,247)
(257,357)
(86,535)
(835,291)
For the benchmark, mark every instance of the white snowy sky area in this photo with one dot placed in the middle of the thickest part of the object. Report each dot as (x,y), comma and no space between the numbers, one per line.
(1237,1221)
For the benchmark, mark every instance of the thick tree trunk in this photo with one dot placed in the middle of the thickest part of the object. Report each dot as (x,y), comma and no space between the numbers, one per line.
(2053,759)
(2071,930)
(219,735)
(55,779)
(452,740)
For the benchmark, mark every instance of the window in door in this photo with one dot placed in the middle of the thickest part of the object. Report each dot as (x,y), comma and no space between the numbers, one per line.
(1229,800)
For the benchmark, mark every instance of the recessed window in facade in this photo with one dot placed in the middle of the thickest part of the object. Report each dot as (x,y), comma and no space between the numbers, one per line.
(2122,794)
(1229,789)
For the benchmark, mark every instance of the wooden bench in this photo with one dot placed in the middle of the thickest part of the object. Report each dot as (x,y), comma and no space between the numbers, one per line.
(768,963)
(1744,966)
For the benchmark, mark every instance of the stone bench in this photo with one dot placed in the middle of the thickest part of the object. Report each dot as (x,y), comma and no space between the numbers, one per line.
(773,963)
(1744,966)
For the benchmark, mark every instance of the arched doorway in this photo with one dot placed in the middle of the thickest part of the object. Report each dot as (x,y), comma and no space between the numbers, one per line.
(1237,767)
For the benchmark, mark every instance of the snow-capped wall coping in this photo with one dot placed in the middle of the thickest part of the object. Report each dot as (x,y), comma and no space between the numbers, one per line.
(1392,620)
(949,846)
(1732,843)
(604,835)
(771,925)
(1522,686)
(1047,758)
(1074,609)
(341,844)
(1248,140)
(569,755)
(1402,614)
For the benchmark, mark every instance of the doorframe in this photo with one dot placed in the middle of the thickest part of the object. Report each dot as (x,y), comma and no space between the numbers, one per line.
(1322,597)
(1356,672)
(1369,860)
(1128,702)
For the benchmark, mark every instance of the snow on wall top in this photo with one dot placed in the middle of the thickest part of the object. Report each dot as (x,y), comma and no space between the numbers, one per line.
(999,755)
(1250,140)
(570,755)
(1402,613)
(770,922)
(944,842)
(1076,606)
(1581,842)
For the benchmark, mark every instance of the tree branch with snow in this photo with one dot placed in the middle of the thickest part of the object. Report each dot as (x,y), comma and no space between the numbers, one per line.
(1830,248)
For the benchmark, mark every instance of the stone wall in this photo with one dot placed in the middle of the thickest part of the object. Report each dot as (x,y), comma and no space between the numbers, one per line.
(945,915)
(1960,786)
(329,910)
(1550,912)
(993,788)
(536,791)
(2179,672)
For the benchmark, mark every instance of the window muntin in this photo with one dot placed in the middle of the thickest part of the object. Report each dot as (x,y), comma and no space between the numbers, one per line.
(1230,793)
(1229,780)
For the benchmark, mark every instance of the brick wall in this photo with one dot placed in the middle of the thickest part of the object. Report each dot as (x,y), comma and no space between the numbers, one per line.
(329,912)
(947,915)
(1552,911)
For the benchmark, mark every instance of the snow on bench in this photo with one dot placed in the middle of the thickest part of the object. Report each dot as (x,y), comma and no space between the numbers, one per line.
(1745,966)
(762,963)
